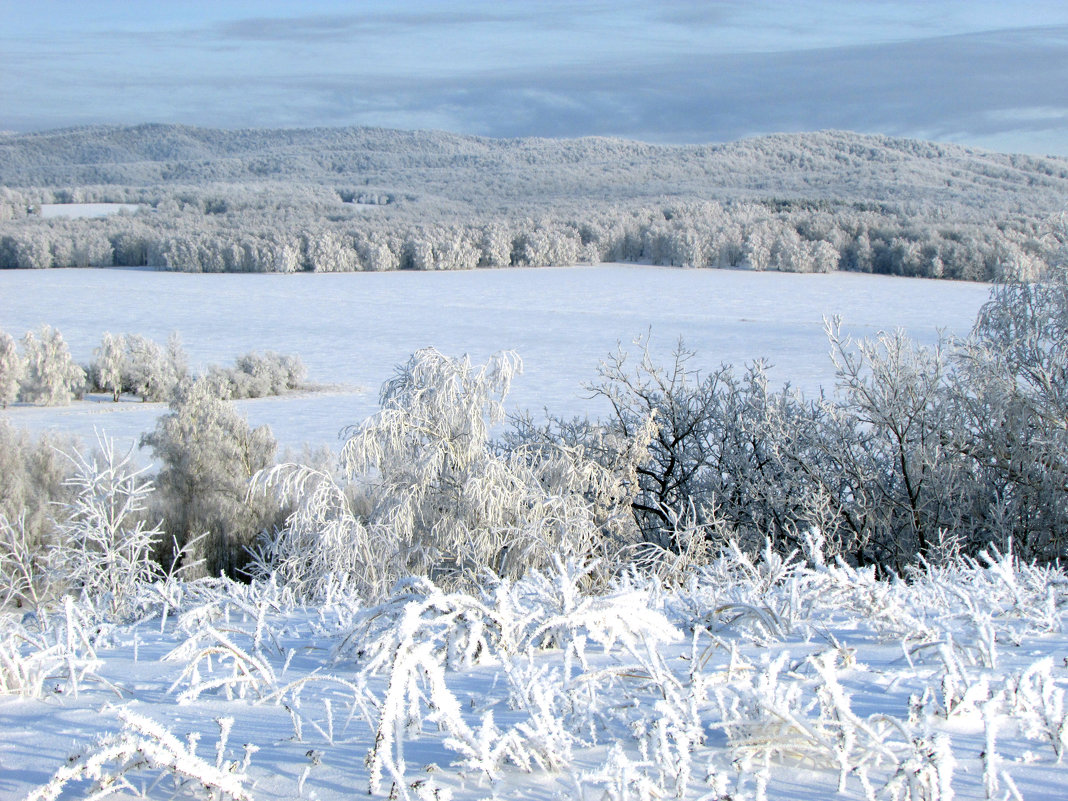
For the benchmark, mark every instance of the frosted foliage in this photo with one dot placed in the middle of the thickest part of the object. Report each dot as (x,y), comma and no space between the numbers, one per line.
(105,549)
(323,541)
(751,676)
(11,367)
(1013,390)
(50,377)
(148,371)
(111,363)
(115,760)
(899,417)
(208,453)
(442,502)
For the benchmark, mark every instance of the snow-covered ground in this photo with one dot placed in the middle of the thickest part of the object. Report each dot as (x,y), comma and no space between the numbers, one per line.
(79,210)
(352,329)
(754,679)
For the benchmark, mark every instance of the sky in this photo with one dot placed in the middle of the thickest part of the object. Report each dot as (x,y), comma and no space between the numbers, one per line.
(979,72)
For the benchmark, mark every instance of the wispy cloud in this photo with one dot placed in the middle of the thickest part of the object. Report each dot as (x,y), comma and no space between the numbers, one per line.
(344,27)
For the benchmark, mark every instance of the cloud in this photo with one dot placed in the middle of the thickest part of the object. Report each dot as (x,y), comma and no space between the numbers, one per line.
(671,72)
(978,85)
(345,27)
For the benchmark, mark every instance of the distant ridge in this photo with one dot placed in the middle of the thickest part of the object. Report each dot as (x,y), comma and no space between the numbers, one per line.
(825,165)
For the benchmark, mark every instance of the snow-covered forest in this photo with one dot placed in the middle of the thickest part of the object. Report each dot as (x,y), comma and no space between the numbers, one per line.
(720,590)
(376,199)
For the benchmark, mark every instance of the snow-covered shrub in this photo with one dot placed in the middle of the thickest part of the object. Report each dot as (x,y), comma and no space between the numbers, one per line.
(104,548)
(322,542)
(50,652)
(257,375)
(34,482)
(442,502)
(208,454)
(459,629)
(1012,395)
(228,666)
(25,579)
(1038,704)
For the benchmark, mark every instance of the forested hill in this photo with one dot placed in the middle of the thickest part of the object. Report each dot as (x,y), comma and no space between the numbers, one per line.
(815,166)
(369,198)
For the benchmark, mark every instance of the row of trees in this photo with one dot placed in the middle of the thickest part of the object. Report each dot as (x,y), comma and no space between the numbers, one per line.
(762,236)
(921,454)
(45,374)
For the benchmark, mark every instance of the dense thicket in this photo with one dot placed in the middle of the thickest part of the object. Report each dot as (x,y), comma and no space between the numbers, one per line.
(370,199)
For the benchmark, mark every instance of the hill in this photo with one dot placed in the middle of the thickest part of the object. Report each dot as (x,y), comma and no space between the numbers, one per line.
(364,184)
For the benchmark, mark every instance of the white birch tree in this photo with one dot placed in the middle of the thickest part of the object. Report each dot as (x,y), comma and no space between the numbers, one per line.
(51,377)
(111,363)
(11,367)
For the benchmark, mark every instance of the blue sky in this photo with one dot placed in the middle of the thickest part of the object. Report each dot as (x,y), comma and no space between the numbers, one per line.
(992,74)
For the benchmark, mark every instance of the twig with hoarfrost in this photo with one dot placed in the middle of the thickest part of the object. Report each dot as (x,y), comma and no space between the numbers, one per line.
(105,552)
(142,745)
(199,651)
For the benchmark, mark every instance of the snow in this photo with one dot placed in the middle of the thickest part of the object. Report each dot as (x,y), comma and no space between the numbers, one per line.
(80,210)
(754,679)
(352,329)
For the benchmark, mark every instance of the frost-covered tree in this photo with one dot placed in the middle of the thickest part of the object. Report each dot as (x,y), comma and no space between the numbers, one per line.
(893,437)
(110,364)
(208,453)
(1012,391)
(51,377)
(11,368)
(440,499)
(152,370)
(725,451)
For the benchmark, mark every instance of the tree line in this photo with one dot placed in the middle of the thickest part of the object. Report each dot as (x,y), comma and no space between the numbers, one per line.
(759,236)
(40,370)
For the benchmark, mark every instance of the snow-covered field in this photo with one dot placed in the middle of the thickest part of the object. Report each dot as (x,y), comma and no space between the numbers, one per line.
(352,329)
(80,210)
(753,679)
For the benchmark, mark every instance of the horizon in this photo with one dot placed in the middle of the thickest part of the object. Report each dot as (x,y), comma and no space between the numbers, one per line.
(977,74)
(357,126)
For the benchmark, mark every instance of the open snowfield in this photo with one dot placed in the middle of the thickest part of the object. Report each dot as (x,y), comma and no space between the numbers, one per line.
(755,679)
(352,329)
(79,210)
